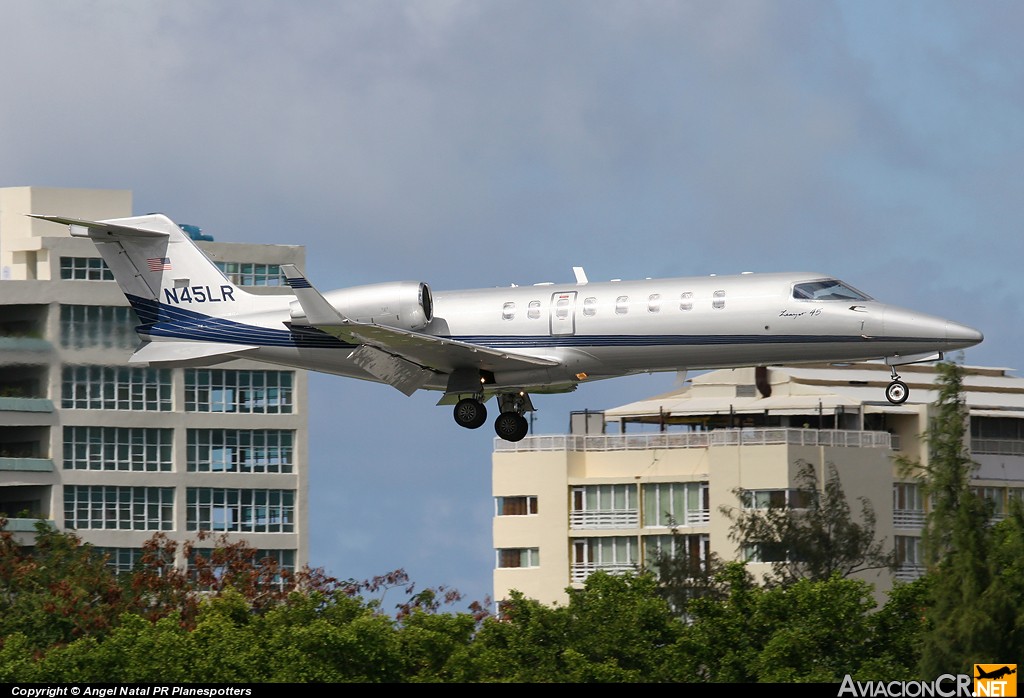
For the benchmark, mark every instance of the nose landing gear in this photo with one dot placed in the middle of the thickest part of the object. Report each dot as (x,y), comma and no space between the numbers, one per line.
(896,392)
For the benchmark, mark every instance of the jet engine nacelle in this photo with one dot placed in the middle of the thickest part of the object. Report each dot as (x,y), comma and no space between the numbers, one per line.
(407,305)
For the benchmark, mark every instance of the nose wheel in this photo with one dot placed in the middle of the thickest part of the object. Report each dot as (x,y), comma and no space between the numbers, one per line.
(896,392)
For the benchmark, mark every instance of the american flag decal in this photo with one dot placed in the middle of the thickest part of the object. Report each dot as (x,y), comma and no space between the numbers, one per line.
(159,263)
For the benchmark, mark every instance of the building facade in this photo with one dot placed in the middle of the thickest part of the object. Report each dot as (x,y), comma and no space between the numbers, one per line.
(119,452)
(607,495)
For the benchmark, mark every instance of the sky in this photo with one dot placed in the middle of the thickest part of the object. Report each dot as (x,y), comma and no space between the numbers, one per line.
(473,144)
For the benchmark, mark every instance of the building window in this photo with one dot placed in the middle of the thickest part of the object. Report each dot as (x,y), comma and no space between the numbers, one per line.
(120,560)
(252,274)
(247,511)
(106,326)
(118,448)
(604,506)
(622,305)
(718,300)
(777,499)
(282,558)
(907,505)
(533,312)
(696,547)
(676,504)
(518,557)
(995,498)
(764,552)
(686,301)
(116,388)
(909,564)
(515,506)
(240,450)
(508,311)
(614,554)
(122,508)
(590,306)
(654,303)
(250,392)
(84,269)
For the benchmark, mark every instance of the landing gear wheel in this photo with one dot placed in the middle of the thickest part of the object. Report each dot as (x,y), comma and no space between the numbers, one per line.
(470,413)
(897,392)
(511,426)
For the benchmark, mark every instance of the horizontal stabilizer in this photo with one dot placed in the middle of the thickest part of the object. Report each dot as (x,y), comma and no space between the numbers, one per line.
(199,353)
(108,229)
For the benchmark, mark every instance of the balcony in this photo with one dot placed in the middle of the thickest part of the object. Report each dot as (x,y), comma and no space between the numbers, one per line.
(25,404)
(604,519)
(580,570)
(908,518)
(701,439)
(997,447)
(27,465)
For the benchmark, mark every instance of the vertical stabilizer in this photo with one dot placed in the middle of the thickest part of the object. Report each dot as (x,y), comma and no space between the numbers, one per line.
(159,268)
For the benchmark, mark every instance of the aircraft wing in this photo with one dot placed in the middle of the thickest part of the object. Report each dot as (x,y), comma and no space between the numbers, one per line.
(402,358)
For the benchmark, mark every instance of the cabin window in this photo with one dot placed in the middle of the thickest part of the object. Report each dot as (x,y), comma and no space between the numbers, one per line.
(622,305)
(686,301)
(718,300)
(508,311)
(654,303)
(590,306)
(534,310)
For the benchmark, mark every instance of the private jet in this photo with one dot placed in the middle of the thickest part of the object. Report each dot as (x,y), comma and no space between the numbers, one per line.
(508,342)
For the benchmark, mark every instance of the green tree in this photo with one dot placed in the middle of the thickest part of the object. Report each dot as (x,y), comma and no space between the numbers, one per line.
(56,591)
(814,539)
(616,629)
(808,631)
(976,607)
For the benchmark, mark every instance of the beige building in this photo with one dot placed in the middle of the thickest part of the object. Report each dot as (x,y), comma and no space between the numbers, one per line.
(118,452)
(600,497)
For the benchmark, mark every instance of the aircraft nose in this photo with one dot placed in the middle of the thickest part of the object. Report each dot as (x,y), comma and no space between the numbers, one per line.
(962,335)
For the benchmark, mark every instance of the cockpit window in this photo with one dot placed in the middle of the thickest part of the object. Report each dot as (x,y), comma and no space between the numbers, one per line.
(828,290)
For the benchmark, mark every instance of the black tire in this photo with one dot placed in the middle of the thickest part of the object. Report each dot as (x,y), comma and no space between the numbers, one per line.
(897,392)
(470,413)
(511,426)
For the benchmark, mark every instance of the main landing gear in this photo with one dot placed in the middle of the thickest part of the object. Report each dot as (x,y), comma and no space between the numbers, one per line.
(510,424)
(896,392)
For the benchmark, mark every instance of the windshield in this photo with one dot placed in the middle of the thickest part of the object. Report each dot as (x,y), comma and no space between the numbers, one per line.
(828,290)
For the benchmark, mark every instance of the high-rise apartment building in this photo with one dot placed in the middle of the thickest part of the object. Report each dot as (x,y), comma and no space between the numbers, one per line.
(119,452)
(605,496)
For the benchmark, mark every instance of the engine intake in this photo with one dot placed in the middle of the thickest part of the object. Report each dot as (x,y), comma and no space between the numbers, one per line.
(407,305)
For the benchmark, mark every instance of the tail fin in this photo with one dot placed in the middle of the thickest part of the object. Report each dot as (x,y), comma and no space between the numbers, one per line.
(159,268)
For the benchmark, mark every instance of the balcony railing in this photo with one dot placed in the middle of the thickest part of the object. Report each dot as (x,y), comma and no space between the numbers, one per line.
(701,439)
(25,404)
(35,465)
(909,572)
(580,570)
(611,518)
(908,518)
(998,447)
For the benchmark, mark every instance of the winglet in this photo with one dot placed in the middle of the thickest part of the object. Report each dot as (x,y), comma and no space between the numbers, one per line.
(314,306)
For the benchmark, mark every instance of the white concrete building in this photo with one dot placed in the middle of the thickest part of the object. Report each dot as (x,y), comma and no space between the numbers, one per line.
(118,452)
(600,497)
